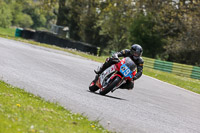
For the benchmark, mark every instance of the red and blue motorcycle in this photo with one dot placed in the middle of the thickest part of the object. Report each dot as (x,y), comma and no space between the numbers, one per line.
(114,76)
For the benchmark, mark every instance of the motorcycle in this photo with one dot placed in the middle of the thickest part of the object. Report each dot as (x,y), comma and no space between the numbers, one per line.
(114,76)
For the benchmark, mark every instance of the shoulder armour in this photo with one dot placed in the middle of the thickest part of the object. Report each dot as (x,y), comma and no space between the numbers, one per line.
(140,61)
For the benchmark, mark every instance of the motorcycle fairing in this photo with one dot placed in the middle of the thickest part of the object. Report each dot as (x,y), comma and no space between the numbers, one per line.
(105,73)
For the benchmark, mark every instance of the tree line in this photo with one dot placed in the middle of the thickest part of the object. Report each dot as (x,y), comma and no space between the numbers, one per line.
(33,14)
(166,29)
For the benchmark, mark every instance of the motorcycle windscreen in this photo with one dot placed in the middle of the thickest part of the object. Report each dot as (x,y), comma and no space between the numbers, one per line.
(130,64)
(127,68)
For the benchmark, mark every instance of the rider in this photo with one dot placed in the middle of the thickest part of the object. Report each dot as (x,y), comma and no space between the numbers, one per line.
(135,54)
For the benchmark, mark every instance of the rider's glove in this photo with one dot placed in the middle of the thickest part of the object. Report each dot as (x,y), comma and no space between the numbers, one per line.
(115,56)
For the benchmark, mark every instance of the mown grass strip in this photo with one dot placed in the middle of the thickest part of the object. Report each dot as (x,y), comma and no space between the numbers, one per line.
(22,112)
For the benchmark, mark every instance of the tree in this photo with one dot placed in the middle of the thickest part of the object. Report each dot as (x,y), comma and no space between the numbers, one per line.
(27,13)
(114,21)
(143,31)
(80,16)
(186,48)
(41,13)
(5,15)
(62,15)
(48,9)
(89,32)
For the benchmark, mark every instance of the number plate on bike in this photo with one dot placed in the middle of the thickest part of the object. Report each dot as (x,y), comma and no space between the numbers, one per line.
(126,71)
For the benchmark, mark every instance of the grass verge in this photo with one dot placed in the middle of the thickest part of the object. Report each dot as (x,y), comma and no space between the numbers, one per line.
(23,112)
(183,82)
(7,32)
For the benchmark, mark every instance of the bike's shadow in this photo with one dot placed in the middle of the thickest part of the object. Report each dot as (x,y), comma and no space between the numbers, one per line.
(107,96)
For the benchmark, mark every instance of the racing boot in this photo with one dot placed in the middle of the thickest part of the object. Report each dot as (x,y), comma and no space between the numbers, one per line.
(100,69)
(129,85)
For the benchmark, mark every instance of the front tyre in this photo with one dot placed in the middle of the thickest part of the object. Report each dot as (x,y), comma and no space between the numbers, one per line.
(114,83)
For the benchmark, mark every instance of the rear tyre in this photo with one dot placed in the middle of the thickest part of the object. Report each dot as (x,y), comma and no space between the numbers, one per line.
(93,87)
(114,83)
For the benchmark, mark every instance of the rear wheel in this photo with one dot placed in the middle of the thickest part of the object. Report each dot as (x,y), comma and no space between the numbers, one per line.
(93,87)
(113,83)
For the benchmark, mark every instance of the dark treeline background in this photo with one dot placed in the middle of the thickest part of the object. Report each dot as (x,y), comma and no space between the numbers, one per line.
(166,29)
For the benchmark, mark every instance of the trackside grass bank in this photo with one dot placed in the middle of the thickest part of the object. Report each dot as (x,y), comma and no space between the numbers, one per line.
(183,82)
(187,83)
(7,32)
(22,112)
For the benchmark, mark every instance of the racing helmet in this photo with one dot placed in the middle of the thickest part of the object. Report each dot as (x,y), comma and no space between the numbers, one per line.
(136,51)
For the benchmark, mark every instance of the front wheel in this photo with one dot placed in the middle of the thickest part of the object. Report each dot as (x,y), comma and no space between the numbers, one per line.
(113,84)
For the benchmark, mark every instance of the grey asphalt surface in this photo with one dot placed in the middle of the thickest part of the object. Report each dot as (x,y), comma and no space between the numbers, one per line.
(151,107)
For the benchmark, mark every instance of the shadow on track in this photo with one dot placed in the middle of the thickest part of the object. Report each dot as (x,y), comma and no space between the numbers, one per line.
(107,96)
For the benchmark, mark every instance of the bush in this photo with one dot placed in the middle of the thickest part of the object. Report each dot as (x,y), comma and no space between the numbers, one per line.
(23,20)
(38,18)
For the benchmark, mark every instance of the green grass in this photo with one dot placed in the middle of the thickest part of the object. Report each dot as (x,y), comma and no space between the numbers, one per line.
(10,32)
(22,112)
(183,82)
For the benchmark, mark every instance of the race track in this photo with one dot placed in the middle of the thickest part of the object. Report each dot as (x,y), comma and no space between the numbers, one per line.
(152,106)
